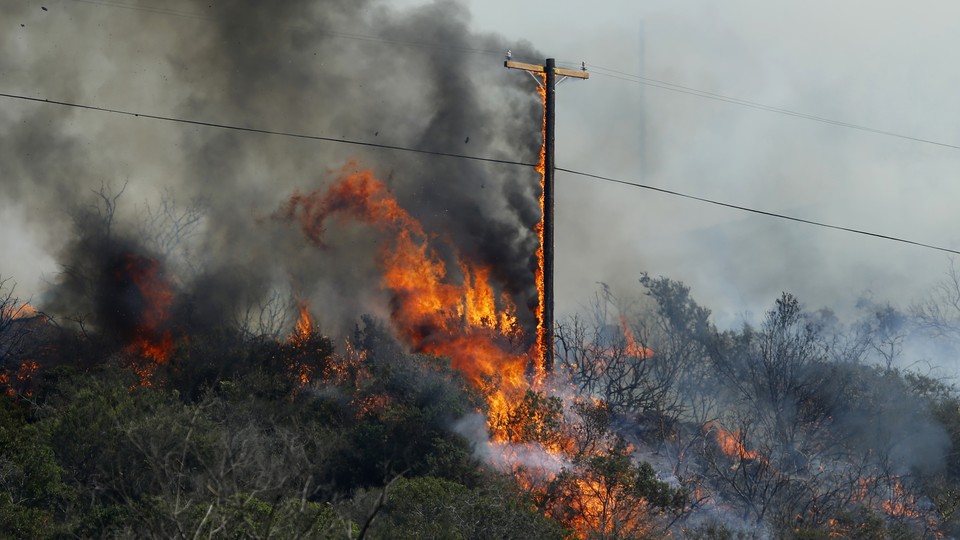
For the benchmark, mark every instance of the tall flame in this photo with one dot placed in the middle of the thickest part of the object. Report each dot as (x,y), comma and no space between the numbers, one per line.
(299,339)
(304,327)
(455,312)
(151,339)
(541,344)
(461,319)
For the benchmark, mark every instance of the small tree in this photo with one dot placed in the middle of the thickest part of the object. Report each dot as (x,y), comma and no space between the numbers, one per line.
(12,332)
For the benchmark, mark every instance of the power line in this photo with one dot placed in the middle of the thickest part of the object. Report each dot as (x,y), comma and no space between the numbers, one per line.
(148,9)
(598,70)
(665,85)
(474,158)
(266,131)
(756,211)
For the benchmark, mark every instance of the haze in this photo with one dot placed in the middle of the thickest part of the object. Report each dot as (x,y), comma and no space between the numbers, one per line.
(886,65)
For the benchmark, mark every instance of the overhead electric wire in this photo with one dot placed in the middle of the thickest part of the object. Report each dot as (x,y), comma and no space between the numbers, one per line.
(148,9)
(756,211)
(265,131)
(597,70)
(665,85)
(475,158)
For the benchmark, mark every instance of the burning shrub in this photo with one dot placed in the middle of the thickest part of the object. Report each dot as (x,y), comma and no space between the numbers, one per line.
(537,418)
(609,495)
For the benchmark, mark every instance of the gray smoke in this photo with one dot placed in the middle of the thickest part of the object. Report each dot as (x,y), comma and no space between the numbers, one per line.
(343,69)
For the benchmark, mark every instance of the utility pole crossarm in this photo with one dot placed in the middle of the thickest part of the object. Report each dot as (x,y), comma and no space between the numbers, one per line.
(540,69)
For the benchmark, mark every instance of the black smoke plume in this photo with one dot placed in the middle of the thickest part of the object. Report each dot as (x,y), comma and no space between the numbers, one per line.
(359,70)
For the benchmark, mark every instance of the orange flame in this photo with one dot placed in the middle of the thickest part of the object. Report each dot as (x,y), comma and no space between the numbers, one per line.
(887,495)
(466,322)
(156,348)
(304,326)
(300,338)
(541,344)
(151,339)
(601,512)
(458,315)
(901,505)
(633,349)
(16,310)
(20,379)
(731,443)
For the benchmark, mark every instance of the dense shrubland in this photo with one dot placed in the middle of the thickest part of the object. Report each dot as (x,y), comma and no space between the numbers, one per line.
(799,428)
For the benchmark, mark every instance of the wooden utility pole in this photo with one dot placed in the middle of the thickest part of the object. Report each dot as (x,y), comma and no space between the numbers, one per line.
(549,71)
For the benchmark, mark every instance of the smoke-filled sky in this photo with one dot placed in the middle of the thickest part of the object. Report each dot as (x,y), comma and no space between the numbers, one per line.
(305,66)
(886,65)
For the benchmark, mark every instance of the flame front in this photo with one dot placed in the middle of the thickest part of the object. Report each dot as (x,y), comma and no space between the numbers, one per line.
(456,312)
(463,319)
